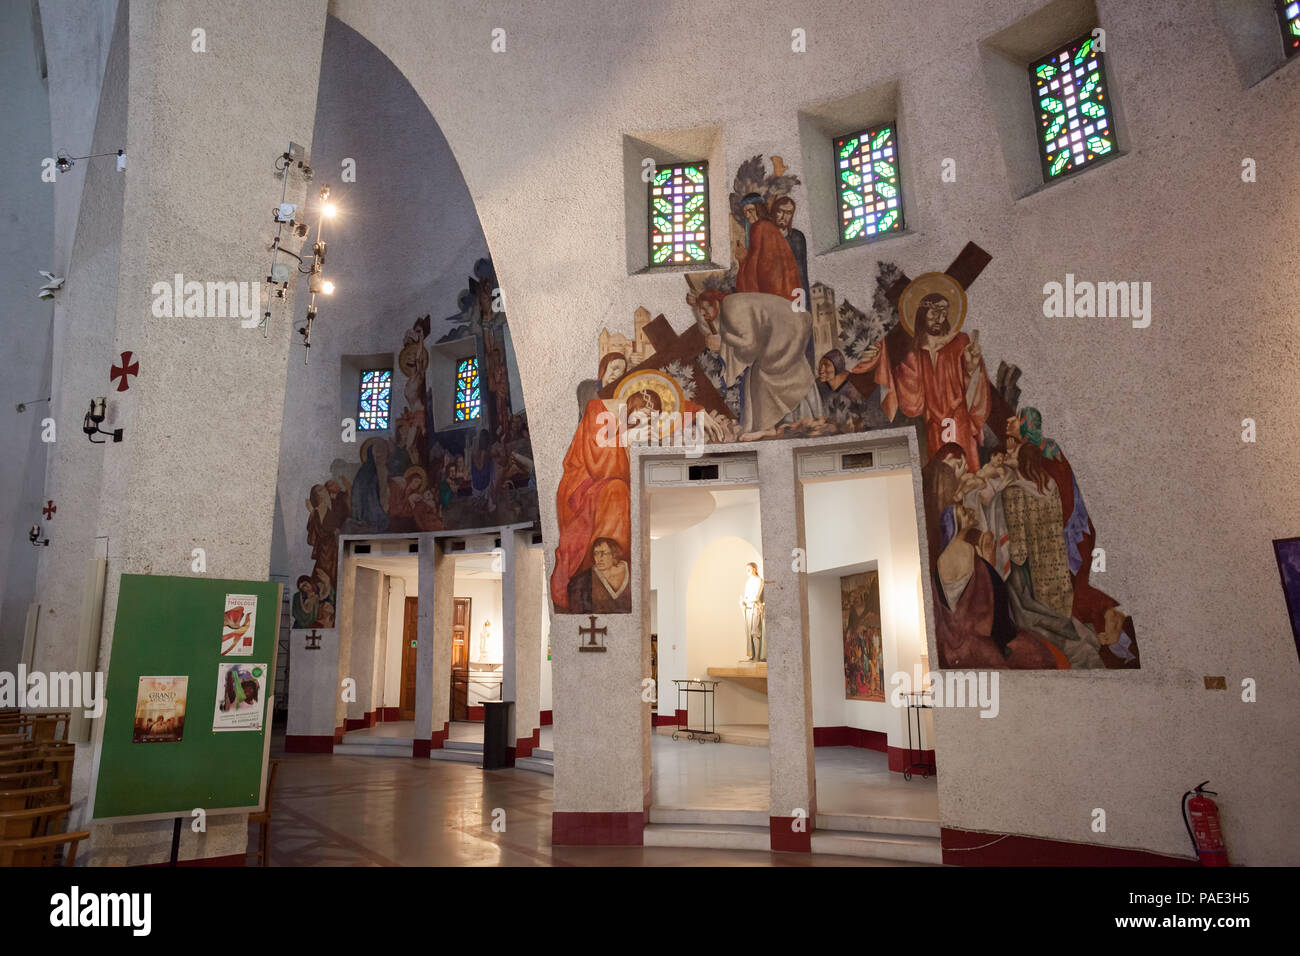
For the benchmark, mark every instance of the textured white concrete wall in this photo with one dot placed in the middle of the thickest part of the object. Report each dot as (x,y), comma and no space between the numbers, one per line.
(1150,418)
(26,242)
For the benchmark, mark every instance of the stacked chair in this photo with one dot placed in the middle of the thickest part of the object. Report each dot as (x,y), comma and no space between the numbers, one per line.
(36,790)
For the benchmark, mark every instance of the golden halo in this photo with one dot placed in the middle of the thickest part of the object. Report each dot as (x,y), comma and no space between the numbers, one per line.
(933,283)
(419,472)
(665,386)
(368,444)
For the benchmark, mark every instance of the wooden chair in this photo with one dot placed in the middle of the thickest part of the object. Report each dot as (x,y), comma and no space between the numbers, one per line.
(263,820)
(17,764)
(36,822)
(42,851)
(60,766)
(50,726)
(10,740)
(29,798)
(26,778)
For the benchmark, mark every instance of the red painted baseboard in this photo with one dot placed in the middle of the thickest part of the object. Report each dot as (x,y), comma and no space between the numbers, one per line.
(359,723)
(389,714)
(421,748)
(475,712)
(309,744)
(786,839)
(338,735)
(898,758)
(973,848)
(598,829)
(850,737)
(546,718)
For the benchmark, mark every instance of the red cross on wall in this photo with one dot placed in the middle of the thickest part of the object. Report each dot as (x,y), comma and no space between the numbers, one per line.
(49,510)
(124,371)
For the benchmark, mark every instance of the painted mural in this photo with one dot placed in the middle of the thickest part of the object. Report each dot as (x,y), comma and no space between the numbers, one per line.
(864,663)
(771,354)
(416,476)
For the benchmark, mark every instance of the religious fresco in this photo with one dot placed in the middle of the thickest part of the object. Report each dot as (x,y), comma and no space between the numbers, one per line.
(771,354)
(864,663)
(422,478)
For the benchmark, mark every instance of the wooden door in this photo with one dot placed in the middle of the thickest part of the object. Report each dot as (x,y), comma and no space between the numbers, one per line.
(410,630)
(460,659)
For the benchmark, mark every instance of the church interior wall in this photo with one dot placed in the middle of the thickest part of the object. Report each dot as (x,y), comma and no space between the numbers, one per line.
(1092,379)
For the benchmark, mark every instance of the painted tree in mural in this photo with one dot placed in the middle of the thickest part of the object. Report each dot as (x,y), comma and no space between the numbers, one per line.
(473,470)
(1010,540)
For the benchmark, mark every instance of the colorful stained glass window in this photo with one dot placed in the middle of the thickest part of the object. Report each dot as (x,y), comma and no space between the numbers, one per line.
(679,214)
(469,402)
(376,390)
(1288,12)
(1075,124)
(871,200)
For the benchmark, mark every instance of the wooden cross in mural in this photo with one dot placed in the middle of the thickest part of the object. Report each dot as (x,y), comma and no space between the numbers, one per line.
(592,630)
(313,640)
(685,348)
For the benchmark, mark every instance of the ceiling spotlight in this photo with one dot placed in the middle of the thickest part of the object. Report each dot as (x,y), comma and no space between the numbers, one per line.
(63,163)
(327,287)
(329,209)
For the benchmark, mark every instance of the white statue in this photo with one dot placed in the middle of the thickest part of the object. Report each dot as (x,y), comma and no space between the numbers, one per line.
(751,604)
(483,638)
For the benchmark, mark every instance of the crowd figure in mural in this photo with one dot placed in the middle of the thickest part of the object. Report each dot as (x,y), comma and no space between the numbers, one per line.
(426,478)
(1010,540)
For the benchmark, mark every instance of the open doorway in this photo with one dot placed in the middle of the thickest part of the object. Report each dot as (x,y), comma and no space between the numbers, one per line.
(710,745)
(865,627)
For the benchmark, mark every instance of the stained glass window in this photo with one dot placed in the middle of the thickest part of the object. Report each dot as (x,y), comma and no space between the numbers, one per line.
(1288,12)
(376,389)
(1075,124)
(469,403)
(679,214)
(871,201)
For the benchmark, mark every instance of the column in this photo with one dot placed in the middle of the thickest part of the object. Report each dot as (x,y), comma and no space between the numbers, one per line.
(367,599)
(510,551)
(789,677)
(437,586)
(528,645)
(197,468)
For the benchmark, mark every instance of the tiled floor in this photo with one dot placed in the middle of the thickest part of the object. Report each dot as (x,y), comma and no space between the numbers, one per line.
(360,811)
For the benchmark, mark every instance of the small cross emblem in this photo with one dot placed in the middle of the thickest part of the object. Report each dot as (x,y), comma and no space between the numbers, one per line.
(313,641)
(592,630)
(124,371)
(49,510)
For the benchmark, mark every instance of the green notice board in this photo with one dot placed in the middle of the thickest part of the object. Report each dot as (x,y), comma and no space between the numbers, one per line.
(169,628)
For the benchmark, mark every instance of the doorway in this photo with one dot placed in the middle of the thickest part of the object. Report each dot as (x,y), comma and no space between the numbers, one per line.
(460,659)
(410,632)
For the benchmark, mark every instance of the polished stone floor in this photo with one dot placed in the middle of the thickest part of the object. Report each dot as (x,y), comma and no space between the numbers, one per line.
(850,780)
(362,811)
(460,730)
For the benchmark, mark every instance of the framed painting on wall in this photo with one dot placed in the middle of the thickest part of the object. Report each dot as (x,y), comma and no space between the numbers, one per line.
(860,615)
(1287,551)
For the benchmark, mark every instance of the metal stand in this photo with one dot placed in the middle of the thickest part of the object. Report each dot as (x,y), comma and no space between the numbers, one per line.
(709,731)
(916,701)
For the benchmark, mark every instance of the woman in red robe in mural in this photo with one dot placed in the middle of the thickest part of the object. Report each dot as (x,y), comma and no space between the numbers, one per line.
(594,499)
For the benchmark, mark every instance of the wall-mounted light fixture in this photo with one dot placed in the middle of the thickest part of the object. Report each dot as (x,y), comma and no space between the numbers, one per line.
(34,536)
(94,417)
(287,214)
(63,162)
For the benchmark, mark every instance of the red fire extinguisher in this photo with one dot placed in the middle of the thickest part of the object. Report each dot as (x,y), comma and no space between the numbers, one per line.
(1207,837)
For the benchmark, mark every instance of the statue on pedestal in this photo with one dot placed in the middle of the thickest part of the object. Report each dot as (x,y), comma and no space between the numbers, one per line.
(484,637)
(751,604)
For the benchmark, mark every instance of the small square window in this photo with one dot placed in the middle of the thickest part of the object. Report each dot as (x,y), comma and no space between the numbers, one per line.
(1081,96)
(376,392)
(469,401)
(867,167)
(679,214)
(1288,12)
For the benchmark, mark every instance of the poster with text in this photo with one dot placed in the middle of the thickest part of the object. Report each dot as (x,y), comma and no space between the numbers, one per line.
(160,710)
(238,627)
(240,695)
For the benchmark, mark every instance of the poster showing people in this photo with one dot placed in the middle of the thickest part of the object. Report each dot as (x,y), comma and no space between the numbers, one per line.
(238,628)
(160,710)
(240,696)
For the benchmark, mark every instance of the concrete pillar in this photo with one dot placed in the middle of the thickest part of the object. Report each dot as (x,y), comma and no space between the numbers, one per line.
(510,551)
(346,604)
(789,675)
(528,585)
(367,600)
(437,588)
(203,131)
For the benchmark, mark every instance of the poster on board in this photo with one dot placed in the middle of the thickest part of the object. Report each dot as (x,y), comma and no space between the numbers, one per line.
(240,695)
(239,625)
(160,710)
